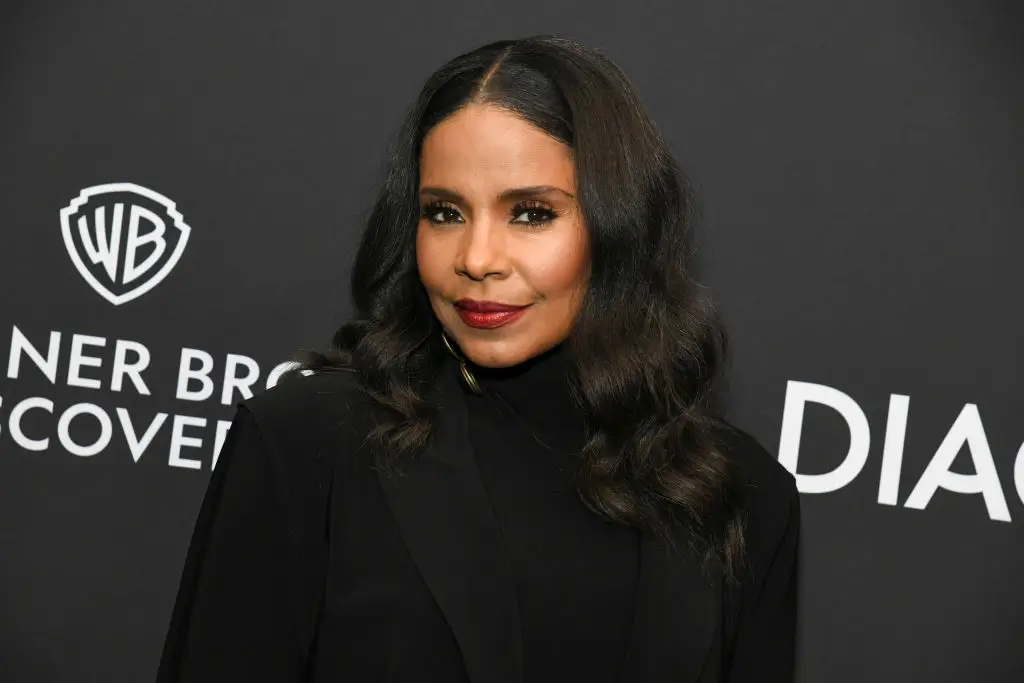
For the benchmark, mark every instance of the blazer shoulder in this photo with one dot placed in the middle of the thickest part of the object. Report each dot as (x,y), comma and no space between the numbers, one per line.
(756,464)
(771,500)
(310,409)
(770,488)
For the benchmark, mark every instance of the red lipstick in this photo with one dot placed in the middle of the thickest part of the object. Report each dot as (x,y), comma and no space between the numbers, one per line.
(487,315)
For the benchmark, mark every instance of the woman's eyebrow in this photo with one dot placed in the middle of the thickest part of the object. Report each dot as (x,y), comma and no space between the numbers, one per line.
(532,191)
(512,194)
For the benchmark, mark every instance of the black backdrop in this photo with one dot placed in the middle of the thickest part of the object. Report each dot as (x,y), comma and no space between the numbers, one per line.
(861,167)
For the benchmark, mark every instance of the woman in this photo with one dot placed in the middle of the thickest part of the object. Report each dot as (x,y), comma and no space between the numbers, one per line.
(508,467)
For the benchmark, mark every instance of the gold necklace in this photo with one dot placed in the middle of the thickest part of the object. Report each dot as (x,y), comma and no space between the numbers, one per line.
(467,376)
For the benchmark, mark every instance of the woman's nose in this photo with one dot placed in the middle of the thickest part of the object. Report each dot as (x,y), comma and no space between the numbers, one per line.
(482,250)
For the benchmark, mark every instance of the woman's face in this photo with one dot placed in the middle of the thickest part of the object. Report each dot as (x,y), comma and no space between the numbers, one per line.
(501,246)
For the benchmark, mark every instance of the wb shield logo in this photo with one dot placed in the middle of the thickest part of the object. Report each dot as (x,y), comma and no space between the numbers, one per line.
(123,238)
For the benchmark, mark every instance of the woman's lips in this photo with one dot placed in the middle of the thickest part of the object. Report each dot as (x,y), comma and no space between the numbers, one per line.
(487,314)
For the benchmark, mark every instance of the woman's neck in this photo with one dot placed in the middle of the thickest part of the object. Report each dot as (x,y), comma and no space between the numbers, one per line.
(551,365)
(538,390)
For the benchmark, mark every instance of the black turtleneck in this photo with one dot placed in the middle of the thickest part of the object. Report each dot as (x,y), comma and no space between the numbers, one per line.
(575,572)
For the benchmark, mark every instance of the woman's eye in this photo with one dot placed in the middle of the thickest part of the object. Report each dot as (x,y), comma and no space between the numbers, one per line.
(532,215)
(441,214)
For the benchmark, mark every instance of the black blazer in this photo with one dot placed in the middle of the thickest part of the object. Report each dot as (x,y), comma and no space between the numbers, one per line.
(307,564)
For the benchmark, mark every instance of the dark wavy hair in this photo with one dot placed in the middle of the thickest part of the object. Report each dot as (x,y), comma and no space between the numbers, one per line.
(647,345)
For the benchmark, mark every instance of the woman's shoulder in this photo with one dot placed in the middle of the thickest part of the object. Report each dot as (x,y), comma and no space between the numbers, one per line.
(772,501)
(754,462)
(310,408)
(764,601)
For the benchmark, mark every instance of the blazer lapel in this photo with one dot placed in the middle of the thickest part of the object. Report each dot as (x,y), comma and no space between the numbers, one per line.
(446,521)
(678,612)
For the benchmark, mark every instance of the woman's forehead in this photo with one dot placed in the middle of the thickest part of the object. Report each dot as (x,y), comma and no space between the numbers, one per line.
(487,147)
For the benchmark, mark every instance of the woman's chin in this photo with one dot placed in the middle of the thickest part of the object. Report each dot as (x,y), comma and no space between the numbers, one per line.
(504,353)
(496,361)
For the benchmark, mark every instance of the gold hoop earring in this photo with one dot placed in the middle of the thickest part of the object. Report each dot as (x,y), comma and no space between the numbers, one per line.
(467,376)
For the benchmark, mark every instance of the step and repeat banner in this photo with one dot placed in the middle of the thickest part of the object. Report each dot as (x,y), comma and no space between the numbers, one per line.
(183,185)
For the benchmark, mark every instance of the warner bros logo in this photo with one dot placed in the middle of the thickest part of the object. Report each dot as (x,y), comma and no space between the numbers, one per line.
(123,238)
